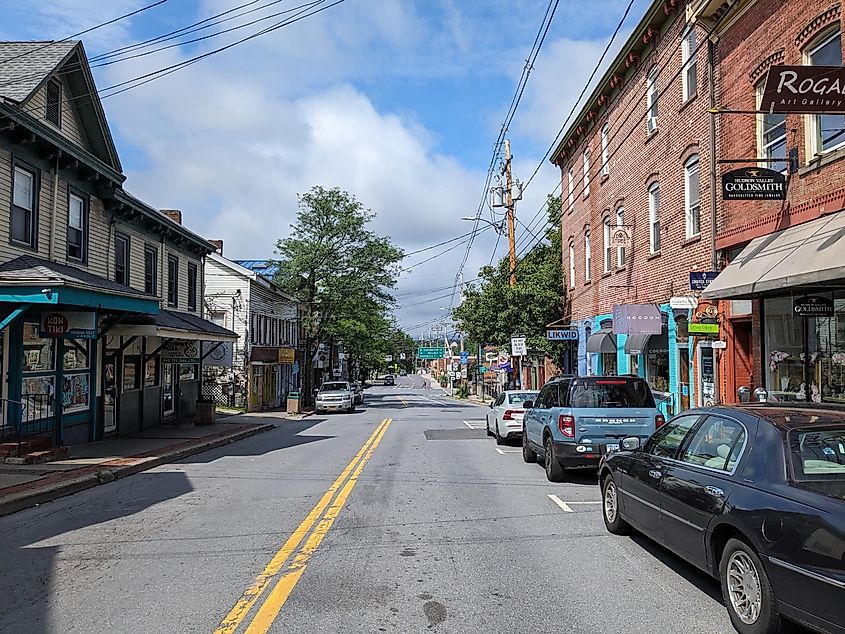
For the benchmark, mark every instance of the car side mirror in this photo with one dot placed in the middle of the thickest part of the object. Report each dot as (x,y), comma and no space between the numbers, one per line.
(492,403)
(631,443)
(528,405)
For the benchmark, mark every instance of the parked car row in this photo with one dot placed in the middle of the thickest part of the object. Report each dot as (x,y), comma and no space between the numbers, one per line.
(753,494)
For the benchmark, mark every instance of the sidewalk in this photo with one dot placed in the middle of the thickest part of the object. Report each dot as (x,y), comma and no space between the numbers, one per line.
(91,464)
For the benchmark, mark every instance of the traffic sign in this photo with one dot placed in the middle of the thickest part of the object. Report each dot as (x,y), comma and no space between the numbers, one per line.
(518,348)
(431,353)
(464,358)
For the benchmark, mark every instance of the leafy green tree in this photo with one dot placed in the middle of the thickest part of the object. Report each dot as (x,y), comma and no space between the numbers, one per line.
(493,311)
(341,271)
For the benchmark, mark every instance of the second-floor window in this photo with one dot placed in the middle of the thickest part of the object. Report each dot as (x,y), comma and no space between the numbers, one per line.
(571,199)
(121,260)
(77,228)
(689,77)
(24,206)
(771,136)
(608,250)
(192,286)
(172,280)
(692,198)
(827,131)
(652,94)
(620,251)
(572,265)
(150,270)
(588,257)
(586,173)
(654,217)
(605,149)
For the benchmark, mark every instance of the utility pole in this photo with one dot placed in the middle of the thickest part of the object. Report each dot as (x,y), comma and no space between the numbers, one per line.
(509,205)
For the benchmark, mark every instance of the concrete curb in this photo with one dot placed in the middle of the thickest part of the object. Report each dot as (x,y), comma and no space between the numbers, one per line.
(107,472)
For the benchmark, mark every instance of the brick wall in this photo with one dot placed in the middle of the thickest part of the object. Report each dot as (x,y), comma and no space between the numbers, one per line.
(774,32)
(637,160)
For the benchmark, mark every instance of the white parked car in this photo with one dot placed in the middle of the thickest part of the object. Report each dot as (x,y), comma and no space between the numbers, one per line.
(335,396)
(504,418)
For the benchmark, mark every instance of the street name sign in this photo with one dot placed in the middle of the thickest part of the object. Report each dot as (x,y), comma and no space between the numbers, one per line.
(699,280)
(431,353)
(464,358)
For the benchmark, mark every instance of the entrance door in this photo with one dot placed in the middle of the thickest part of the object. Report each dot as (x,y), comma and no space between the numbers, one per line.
(109,396)
(708,377)
(743,366)
(168,386)
(683,375)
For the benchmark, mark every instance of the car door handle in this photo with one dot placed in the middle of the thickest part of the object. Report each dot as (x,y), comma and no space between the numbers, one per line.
(654,473)
(714,491)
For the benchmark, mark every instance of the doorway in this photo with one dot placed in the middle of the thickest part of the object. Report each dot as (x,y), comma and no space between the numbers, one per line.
(683,376)
(742,361)
(168,389)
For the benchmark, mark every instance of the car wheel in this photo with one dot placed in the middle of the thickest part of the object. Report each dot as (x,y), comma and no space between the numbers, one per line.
(499,439)
(528,454)
(554,470)
(747,592)
(487,424)
(610,508)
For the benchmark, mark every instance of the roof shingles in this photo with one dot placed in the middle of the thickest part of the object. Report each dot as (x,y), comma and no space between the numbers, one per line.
(24,65)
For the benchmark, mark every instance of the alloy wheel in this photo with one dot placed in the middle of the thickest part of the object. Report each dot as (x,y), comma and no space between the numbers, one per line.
(610,504)
(744,587)
(549,457)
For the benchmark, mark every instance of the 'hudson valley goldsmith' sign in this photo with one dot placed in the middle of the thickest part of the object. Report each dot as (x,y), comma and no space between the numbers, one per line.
(753,183)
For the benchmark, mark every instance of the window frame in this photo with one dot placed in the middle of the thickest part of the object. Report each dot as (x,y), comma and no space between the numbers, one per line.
(690,437)
(151,288)
(621,255)
(571,191)
(586,159)
(815,139)
(126,255)
(692,165)
(607,250)
(193,272)
(572,269)
(54,82)
(172,280)
(652,97)
(588,257)
(766,149)
(72,192)
(605,149)
(689,63)
(654,217)
(663,432)
(21,166)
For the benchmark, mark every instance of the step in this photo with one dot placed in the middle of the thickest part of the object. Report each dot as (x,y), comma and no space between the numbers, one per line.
(39,457)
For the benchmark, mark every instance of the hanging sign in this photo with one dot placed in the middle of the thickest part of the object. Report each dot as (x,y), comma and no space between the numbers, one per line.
(287,355)
(620,237)
(491,357)
(181,351)
(637,319)
(69,324)
(703,329)
(813,306)
(753,183)
(683,302)
(699,280)
(561,334)
(719,345)
(804,90)
(219,356)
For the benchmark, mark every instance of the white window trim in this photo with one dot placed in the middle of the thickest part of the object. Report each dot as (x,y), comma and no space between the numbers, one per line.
(688,165)
(605,149)
(572,280)
(652,96)
(607,250)
(813,135)
(689,58)
(653,216)
(621,256)
(588,257)
(571,198)
(763,148)
(586,157)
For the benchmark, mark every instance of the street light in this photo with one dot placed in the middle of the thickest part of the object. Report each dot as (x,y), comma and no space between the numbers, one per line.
(498,226)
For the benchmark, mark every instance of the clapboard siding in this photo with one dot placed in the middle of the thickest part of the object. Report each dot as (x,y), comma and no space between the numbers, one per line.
(71,124)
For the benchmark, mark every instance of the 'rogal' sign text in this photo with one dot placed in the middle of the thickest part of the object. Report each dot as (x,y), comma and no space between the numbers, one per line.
(804,89)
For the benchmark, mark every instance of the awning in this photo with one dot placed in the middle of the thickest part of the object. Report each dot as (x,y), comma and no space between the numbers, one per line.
(637,319)
(602,341)
(170,324)
(636,344)
(805,255)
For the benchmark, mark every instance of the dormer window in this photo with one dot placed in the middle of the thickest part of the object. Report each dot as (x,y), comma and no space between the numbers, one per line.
(53,103)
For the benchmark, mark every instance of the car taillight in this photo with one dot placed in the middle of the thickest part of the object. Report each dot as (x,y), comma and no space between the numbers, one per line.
(508,414)
(567,426)
(659,421)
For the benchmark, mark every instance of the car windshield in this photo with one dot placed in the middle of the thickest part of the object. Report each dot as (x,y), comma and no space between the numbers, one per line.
(334,387)
(612,392)
(518,398)
(818,454)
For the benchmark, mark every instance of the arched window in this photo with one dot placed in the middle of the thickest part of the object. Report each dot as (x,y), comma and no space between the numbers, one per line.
(827,131)
(692,198)
(572,265)
(620,222)
(588,256)
(605,149)
(571,199)
(607,250)
(586,172)
(654,217)
(652,94)
(689,77)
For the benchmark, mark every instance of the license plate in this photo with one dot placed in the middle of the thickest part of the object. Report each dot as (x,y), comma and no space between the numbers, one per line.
(611,448)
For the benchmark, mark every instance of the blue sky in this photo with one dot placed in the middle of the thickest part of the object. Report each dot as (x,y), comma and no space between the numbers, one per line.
(397,101)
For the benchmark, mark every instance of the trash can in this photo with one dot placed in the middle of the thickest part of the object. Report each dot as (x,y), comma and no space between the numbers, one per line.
(206,412)
(293,403)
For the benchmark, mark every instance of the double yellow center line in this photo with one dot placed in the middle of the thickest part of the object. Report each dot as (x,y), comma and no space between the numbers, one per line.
(290,574)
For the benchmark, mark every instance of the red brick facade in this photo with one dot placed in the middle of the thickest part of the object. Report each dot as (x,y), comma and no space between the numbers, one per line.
(637,160)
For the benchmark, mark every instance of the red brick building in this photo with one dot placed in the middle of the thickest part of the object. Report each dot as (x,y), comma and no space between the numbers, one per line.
(779,250)
(637,156)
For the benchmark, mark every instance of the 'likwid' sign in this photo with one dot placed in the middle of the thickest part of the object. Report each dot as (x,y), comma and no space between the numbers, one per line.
(804,89)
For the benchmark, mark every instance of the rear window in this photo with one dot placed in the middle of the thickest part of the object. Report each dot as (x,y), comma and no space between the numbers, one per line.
(333,387)
(518,398)
(611,392)
(818,454)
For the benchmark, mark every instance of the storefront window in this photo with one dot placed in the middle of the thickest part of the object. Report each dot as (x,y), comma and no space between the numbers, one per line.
(151,372)
(131,373)
(608,364)
(786,357)
(38,353)
(188,371)
(657,361)
(75,393)
(37,395)
(76,354)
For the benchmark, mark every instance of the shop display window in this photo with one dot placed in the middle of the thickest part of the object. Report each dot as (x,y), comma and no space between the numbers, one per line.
(131,371)
(75,393)
(39,354)
(608,364)
(188,371)
(76,354)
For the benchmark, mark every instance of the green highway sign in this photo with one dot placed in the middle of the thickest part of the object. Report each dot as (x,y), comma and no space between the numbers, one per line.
(430,353)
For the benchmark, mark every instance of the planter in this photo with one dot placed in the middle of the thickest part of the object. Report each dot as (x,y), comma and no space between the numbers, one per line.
(206,412)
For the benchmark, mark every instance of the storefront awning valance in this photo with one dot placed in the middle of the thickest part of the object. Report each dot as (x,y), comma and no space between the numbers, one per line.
(805,255)
(602,341)
(174,325)
(32,280)
(636,344)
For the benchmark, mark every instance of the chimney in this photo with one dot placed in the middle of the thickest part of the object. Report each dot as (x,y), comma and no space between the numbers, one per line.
(218,246)
(174,214)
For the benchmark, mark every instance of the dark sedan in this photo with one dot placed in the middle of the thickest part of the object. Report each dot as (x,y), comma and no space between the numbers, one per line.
(753,495)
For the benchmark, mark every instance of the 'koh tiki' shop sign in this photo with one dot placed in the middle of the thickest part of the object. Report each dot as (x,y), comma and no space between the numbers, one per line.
(69,324)
(813,306)
(804,89)
(753,183)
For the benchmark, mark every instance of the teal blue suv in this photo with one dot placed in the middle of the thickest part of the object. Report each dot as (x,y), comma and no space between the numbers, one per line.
(575,420)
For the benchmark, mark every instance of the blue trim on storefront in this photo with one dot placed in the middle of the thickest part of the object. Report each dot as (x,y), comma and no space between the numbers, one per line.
(77,297)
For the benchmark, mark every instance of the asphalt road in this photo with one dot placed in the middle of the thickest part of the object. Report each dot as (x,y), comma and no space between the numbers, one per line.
(402,517)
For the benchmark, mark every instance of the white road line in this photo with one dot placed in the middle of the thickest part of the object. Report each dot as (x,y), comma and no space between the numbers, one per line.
(563,505)
(588,502)
(500,451)
(468,425)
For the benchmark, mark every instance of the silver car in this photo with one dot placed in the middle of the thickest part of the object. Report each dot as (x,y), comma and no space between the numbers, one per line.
(504,418)
(335,396)
(358,392)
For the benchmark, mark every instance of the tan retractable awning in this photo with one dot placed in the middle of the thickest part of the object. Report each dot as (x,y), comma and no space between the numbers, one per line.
(808,254)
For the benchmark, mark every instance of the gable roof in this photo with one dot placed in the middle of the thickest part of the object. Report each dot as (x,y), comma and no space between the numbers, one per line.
(255,274)
(26,66)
